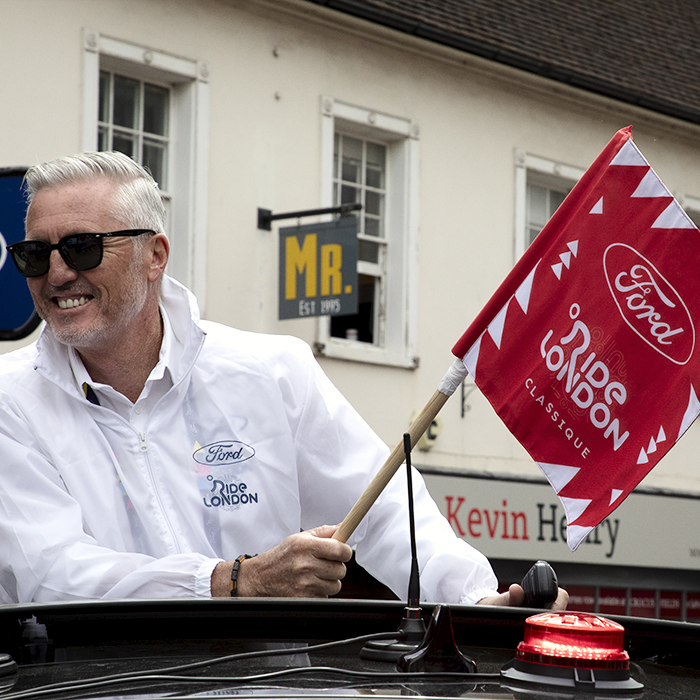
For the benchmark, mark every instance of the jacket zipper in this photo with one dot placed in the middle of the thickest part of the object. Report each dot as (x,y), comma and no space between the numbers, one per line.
(143,446)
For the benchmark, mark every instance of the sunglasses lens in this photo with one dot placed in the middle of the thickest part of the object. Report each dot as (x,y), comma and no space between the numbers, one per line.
(82,251)
(31,257)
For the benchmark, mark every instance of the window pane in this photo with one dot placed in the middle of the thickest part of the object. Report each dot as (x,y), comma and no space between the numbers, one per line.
(368,251)
(361,323)
(154,160)
(349,195)
(351,170)
(352,160)
(103,143)
(336,149)
(103,113)
(532,233)
(537,205)
(124,143)
(373,226)
(155,110)
(376,158)
(126,102)
(555,199)
(373,203)
(352,148)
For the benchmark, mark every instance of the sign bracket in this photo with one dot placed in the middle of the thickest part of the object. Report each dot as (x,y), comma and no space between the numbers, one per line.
(266,217)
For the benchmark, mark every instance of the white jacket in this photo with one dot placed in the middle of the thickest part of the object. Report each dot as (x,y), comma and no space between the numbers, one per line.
(251,444)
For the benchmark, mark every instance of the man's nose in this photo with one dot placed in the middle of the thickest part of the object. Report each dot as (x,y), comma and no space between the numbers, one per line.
(59,272)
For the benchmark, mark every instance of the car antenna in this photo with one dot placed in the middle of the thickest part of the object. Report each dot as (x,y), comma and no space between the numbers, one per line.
(412,628)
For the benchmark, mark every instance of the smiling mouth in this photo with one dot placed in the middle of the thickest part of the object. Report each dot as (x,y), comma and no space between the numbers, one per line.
(72,303)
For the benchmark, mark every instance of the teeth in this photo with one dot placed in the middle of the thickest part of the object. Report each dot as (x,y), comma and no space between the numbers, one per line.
(71,303)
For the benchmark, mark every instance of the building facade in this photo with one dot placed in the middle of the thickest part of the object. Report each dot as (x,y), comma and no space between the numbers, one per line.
(458,142)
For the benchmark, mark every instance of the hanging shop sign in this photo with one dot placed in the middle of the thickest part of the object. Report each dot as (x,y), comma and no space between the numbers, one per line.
(318,269)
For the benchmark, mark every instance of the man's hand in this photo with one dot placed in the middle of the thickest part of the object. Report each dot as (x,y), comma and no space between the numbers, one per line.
(306,565)
(515,595)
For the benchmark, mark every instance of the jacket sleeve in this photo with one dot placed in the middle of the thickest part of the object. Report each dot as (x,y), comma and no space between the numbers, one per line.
(338,454)
(47,553)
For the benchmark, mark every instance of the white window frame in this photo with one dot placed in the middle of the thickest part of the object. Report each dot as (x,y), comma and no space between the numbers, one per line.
(550,173)
(396,344)
(186,198)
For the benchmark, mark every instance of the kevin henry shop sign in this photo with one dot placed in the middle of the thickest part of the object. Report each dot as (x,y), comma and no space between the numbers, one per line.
(510,519)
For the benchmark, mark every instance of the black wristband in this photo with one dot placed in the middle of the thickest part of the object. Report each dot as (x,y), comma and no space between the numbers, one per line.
(234,572)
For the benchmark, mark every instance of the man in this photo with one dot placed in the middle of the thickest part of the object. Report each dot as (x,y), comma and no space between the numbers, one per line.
(146,453)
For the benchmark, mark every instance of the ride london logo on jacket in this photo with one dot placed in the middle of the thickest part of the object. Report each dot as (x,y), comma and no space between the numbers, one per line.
(221,488)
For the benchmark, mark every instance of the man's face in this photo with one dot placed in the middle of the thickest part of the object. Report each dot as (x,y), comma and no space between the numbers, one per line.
(95,308)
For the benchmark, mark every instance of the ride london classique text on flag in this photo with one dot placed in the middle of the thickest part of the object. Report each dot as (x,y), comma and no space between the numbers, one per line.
(587,351)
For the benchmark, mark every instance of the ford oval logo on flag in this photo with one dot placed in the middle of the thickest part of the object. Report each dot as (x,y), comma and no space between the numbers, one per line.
(650,306)
(223,452)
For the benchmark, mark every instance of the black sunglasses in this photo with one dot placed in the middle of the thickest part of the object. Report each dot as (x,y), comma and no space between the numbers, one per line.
(81,251)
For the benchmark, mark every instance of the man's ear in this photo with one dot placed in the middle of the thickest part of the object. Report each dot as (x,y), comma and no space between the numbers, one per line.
(158,251)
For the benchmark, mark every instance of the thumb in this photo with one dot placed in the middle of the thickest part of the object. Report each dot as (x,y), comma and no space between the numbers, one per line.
(322,531)
(516,595)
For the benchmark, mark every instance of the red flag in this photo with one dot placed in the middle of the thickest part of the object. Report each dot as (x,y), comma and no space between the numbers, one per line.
(587,351)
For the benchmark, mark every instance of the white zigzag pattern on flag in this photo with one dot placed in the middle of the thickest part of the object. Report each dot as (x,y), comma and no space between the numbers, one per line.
(565,258)
(673,217)
(574,507)
(690,413)
(497,325)
(472,357)
(651,186)
(629,154)
(614,495)
(558,475)
(524,291)
(495,328)
(575,534)
(597,207)
(653,446)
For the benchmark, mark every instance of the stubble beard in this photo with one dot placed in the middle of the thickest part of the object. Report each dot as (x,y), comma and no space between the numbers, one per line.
(104,329)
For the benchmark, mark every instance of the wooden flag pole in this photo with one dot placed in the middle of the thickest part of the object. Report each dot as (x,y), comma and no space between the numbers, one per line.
(449,383)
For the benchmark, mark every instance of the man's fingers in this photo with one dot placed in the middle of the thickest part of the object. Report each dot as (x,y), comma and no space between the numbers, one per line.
(322,531)
(515,596)
(562,600)
(330,570)
(323,546)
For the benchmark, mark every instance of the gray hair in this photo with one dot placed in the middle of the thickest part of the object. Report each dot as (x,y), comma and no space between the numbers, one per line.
(138,201)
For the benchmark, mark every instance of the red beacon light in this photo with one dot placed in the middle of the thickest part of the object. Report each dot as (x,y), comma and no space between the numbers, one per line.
(572,650)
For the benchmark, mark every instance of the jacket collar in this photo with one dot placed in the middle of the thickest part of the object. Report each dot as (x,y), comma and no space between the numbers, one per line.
(177,302)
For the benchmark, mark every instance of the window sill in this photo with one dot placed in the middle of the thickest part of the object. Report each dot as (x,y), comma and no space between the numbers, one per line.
(355,351)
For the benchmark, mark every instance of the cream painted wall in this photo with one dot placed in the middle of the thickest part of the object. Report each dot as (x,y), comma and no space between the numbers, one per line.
(270,62)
